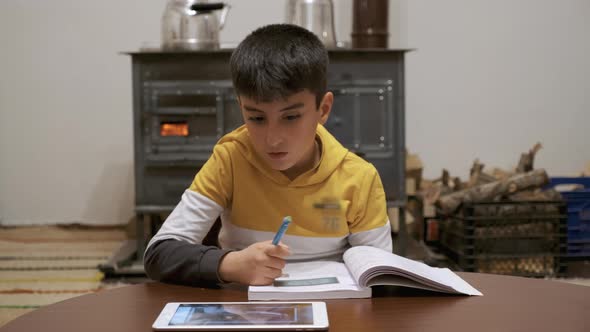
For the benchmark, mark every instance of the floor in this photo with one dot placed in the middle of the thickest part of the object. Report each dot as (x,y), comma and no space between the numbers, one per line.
(44,265)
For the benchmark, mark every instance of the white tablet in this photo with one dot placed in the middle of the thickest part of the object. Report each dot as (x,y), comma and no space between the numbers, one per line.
(232,316)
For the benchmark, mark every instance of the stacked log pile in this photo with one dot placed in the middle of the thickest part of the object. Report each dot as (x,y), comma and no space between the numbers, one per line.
(504,238)
(524,183)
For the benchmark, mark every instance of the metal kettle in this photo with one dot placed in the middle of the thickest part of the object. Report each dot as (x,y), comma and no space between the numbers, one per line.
(192,25)
(316,16)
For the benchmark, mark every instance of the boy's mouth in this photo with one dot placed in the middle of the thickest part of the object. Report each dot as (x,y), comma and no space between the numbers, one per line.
(277,155)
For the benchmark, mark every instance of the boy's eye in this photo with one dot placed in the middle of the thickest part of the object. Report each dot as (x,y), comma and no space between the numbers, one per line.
(256,118)
(292,117)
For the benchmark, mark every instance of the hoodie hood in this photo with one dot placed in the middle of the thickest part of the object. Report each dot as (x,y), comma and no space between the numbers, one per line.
(332,155)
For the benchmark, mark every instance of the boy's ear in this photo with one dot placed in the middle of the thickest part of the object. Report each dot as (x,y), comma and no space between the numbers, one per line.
(326,107)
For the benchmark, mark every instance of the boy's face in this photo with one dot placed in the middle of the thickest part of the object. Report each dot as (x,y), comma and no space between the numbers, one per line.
(283,131)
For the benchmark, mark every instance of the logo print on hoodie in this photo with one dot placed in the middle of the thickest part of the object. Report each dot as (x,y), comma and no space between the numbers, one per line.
(331,211)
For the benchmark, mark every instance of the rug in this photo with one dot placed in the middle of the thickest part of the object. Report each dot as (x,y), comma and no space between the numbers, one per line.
(47,264)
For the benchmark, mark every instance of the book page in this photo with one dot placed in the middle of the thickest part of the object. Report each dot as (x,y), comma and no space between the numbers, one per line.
(318,276)
(365,263)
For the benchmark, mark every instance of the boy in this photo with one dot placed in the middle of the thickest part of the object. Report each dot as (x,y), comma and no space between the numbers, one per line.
(281,162)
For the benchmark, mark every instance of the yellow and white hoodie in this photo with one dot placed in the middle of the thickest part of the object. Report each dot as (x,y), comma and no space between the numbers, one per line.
(338,204)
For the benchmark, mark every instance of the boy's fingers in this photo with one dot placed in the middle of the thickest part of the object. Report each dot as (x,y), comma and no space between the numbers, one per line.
(275,263)
(267,281)
(268,275)
(269,242)
(273,272)
(280,250)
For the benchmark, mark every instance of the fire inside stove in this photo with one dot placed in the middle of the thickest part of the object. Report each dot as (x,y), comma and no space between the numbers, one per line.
(174,129)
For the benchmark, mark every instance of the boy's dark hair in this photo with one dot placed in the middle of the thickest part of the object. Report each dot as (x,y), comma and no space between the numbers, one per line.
(278,60)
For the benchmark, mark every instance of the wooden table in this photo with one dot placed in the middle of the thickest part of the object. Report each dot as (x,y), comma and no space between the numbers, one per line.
(508,304)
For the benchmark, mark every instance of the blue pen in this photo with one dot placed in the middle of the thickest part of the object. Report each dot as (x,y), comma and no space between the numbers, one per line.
(282,230)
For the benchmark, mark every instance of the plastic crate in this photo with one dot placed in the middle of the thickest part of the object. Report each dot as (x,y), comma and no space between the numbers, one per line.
(578,210)
(578,249)
(513,238)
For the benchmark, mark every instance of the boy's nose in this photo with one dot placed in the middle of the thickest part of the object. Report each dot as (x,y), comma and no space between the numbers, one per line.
(274,136)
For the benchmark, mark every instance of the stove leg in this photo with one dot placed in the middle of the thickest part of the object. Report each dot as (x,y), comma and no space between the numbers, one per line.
(128,259)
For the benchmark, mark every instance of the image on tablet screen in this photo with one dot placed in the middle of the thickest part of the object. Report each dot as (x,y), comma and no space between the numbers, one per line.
(243,314)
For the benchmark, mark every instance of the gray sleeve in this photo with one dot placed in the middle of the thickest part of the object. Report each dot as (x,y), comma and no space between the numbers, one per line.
(180,262)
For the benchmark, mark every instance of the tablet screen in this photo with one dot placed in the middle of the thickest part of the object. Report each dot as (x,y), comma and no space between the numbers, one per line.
(243,314)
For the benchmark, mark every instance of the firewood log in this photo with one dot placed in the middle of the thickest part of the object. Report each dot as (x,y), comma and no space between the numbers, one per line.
(477,167)
(429,194)
(526,163)
(501,174)
(445,178)
(536,195)
(442,184)
(477,176)
(450,202)
(457,184)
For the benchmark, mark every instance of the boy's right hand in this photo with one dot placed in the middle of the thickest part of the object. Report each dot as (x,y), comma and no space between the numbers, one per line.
(259,264)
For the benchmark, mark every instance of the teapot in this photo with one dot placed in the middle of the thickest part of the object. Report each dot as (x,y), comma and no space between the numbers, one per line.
(192,25)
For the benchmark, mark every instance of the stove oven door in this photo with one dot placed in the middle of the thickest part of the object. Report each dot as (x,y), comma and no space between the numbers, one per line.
(182,121)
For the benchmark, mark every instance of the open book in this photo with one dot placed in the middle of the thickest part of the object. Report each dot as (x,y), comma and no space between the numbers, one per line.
(363,267)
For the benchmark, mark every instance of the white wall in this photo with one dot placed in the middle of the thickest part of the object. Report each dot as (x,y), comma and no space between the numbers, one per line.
(491,78)
(488,79)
